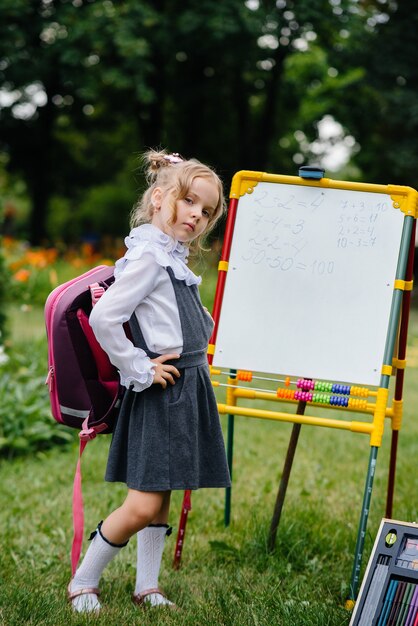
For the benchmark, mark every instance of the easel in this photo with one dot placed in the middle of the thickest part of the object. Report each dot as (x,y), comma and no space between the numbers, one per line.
(372,403)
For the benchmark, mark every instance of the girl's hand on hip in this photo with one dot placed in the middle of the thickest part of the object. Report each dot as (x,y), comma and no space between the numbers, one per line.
(164,372)
(209,314)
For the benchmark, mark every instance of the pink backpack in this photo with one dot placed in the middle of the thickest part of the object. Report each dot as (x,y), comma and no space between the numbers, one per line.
(84,387)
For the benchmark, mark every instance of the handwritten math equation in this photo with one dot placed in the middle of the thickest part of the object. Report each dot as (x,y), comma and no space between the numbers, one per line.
(357,224)
(288,231)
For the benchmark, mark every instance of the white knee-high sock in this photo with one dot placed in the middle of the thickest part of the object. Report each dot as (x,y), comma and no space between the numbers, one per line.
(100,552)
(149,554)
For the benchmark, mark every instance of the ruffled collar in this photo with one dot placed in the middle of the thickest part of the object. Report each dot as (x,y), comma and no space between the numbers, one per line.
(167,252)
(148,232)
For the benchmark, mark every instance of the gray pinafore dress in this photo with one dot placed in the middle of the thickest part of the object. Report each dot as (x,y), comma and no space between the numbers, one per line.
(171,438)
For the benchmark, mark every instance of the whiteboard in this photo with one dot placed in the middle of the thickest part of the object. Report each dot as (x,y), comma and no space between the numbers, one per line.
(310,281)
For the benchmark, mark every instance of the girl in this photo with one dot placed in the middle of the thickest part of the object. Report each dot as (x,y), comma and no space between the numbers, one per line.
(168,434)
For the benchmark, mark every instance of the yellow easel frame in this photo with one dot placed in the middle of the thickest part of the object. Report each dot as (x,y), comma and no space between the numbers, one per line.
(403,198)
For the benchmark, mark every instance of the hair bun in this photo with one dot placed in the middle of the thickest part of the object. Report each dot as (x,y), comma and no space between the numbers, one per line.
(154,160)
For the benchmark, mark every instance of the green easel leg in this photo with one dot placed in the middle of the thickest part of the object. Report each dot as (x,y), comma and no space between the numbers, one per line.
(355,576)
(229,454)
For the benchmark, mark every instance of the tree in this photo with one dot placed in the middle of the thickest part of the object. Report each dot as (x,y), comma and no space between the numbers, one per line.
(52,133)
(379,104)
(92,82)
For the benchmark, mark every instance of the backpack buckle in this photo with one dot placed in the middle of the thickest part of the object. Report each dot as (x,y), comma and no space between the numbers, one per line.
(87,433)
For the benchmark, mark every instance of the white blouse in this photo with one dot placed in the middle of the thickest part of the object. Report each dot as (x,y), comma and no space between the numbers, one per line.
(142,286)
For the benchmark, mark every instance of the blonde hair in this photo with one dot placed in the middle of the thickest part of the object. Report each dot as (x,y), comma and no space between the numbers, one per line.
(175,176)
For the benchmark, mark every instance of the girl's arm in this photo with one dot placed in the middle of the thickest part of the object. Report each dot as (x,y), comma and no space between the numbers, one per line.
(116,307)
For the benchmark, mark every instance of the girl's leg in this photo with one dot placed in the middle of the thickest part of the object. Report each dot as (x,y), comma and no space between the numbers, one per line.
(150,548)
(138,510)
(83,589)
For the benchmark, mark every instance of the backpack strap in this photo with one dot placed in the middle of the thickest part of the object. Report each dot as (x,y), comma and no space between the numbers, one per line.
(96,291)
(185,508)
(86,434)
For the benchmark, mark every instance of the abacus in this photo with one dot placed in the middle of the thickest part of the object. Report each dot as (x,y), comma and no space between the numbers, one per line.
(307,390)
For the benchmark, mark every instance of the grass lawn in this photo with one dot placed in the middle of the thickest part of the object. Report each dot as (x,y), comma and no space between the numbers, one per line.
(227,575)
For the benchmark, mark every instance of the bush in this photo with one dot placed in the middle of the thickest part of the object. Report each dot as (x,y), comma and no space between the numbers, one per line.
(26,424)
(106,209)
(102,211)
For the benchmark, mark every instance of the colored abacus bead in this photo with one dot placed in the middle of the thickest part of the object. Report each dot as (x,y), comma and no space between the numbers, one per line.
(323,398)
(359,391)
(285,393)
(356,403)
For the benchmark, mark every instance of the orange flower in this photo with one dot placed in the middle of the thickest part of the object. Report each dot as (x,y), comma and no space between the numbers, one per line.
(22,276)
(51,255)
(36,258)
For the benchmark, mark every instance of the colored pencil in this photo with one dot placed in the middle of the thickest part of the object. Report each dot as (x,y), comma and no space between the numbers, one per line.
(412,609)
(393,619)
(387,605)
(409,592)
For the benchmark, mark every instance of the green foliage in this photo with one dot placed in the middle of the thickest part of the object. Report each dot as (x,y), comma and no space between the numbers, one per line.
(39,281)
(102,211)
(34,290)
(193,76)
(106,208)
(26,424)
(380,107)
(62,219)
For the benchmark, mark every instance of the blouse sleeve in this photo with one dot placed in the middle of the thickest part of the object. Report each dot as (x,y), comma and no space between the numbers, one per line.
(116,307)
